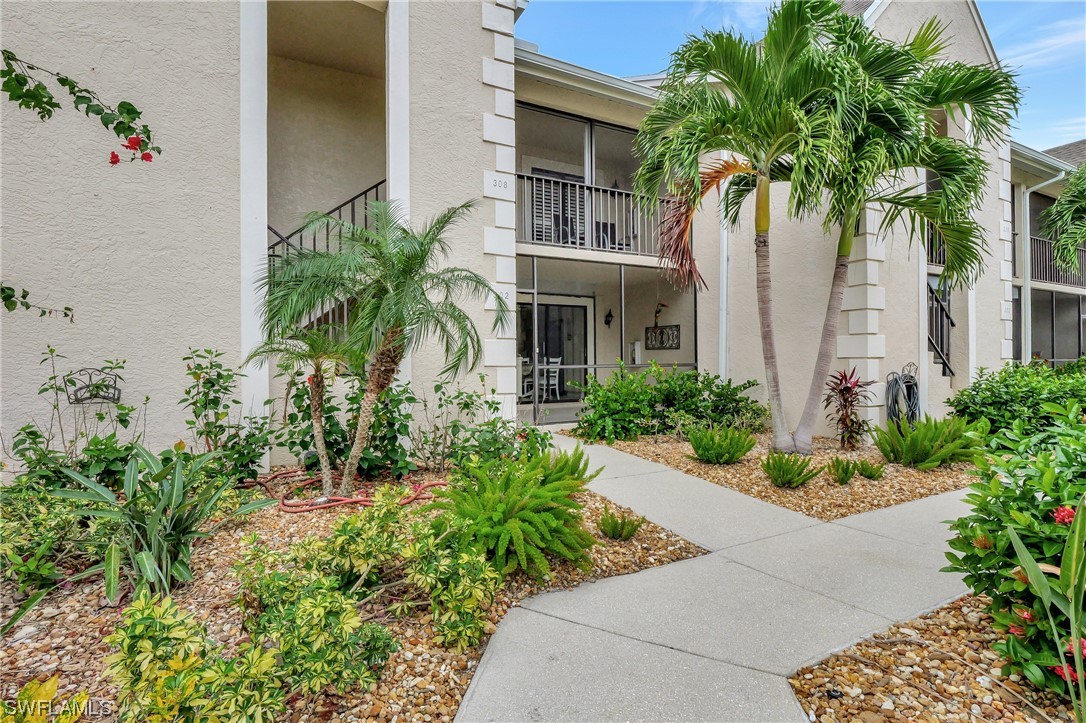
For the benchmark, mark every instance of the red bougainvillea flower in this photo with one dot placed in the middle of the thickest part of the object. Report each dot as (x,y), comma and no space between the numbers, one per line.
(1082,644)
(1063,515)
(147,157)
(309,380)
(1026,614)
(114,159)
(1016,630)
(132,144)
(1066,672)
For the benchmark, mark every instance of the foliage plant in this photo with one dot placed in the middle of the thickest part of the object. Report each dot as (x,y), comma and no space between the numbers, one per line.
(842,116)
(789,470)
(870,470)
(164,510)
(1064,595)
(167,669)
(1029,482)
(845,394)
(842,470)
(654,400)
(399,292)
(1018,392)
(520,511)
(457,424)
(720,445)
(930,443)
(37,702)
(620,527)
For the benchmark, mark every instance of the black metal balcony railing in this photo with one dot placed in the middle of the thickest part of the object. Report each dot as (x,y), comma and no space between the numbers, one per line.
(1043,266)
(577,215)
(939,325)
(321,238)
(935,248)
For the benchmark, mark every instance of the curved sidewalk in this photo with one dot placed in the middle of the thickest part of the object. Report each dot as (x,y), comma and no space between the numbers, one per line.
(716,637)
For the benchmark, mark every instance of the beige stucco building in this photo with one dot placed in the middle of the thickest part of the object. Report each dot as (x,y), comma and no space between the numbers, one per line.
(268,110)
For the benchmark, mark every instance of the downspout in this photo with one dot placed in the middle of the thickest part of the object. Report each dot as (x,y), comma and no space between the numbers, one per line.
(723,367)
(1027,268)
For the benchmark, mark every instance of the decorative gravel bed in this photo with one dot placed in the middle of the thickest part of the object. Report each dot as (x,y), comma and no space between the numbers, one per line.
(423,681)
(938,667)
(821,498)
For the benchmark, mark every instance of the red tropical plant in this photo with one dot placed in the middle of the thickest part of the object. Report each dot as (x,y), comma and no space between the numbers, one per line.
(844,395)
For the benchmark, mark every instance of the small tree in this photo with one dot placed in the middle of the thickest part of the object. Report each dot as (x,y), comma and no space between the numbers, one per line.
(398,295)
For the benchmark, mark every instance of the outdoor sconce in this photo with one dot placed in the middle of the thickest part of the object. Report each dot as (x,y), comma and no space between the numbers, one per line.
(608,318)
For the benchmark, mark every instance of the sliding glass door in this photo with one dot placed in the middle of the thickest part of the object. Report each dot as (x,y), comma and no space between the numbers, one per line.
(563,341)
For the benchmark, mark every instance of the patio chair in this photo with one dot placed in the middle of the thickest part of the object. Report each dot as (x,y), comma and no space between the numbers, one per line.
(548,377)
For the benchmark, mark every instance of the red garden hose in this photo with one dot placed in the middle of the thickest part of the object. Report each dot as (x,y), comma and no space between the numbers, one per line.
(418,492)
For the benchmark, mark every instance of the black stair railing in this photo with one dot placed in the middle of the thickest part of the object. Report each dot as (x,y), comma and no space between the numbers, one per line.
(352,210)
(939,325)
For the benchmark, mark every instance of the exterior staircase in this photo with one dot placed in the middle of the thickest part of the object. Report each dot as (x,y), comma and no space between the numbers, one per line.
(940,322)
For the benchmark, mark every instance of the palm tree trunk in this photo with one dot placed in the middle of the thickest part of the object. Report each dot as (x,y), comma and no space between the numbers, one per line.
(805,431)
(382,372)
(316,408)
(782,439)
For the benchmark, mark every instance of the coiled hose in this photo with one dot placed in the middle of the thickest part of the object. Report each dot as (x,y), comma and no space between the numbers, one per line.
(903,395)
(417,492)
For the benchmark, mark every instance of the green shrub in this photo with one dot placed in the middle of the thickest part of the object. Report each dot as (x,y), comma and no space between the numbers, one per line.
(789,470)
(842,470)
(930,442)
(1018,392)
(619,527)
(104,459)
(37,701)
(870,470)
(623,407)
(520,511)
(1030,482)
(628,404)
(720,445)
(167,669)
(1078,366)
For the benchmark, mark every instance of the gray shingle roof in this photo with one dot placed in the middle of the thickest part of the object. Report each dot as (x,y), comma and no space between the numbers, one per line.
(856,7)
(1073,153)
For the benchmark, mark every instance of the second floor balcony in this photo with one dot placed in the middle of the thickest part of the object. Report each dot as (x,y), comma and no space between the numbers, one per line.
(1043,266)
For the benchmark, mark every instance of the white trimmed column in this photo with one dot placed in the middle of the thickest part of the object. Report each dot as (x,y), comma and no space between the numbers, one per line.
(1005,244)
(864,346)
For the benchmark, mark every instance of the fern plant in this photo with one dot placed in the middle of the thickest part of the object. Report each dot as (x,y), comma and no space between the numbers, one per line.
(930,443)
(842,470)
(520,511)
(870,470)
(789,470)
(619,527)
(720,445)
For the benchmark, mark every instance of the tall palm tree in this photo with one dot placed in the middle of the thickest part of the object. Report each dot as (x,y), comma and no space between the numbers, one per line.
(398,293)
(322,351)
(769,102)
(1065,221)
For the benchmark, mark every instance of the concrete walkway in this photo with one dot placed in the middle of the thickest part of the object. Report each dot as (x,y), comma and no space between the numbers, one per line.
(713,638)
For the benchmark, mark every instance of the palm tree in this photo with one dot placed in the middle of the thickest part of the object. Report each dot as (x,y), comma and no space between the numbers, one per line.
(769,102)
(322,351)
(1065,221)
(398,294)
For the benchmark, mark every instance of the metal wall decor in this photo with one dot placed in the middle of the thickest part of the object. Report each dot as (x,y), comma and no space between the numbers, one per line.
(92,385)
(662,337)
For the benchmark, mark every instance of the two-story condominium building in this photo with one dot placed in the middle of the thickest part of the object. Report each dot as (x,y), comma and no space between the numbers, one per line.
(268,110)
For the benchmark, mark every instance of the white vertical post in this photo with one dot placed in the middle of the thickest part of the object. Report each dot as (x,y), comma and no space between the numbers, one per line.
(398,120)
(253,19)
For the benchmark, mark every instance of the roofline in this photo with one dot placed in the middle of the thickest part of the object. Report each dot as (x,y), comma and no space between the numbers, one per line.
(585,80)
(1039,158)
(878,6)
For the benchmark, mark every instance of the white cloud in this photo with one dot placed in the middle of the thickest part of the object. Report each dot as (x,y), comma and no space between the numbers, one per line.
(1050,44)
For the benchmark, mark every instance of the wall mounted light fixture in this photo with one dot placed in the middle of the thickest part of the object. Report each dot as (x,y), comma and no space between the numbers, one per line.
(608,318)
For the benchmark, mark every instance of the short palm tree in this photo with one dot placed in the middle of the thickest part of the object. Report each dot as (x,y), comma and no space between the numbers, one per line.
(772,103)
(322,351)
(398,294)
(1065,221)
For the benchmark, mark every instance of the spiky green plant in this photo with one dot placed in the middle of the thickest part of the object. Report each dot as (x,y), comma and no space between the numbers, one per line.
(619,527)
(842,470)
(789,470)
(720,445)
(1065,221)
(870,470)
(930,442)
(520,512)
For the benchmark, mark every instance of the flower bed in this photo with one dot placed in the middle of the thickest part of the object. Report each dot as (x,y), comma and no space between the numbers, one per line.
(821,498)
(939,666)
(64,634)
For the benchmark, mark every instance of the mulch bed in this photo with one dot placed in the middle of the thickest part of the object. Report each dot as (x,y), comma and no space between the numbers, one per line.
(821,498)
(423,681)
(938,667)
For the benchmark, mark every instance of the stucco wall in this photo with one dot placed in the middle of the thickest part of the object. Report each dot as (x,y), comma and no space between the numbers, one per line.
(326,138)
(146,254)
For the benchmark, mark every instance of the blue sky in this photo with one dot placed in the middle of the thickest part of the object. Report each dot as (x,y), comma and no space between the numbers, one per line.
(1044,41)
